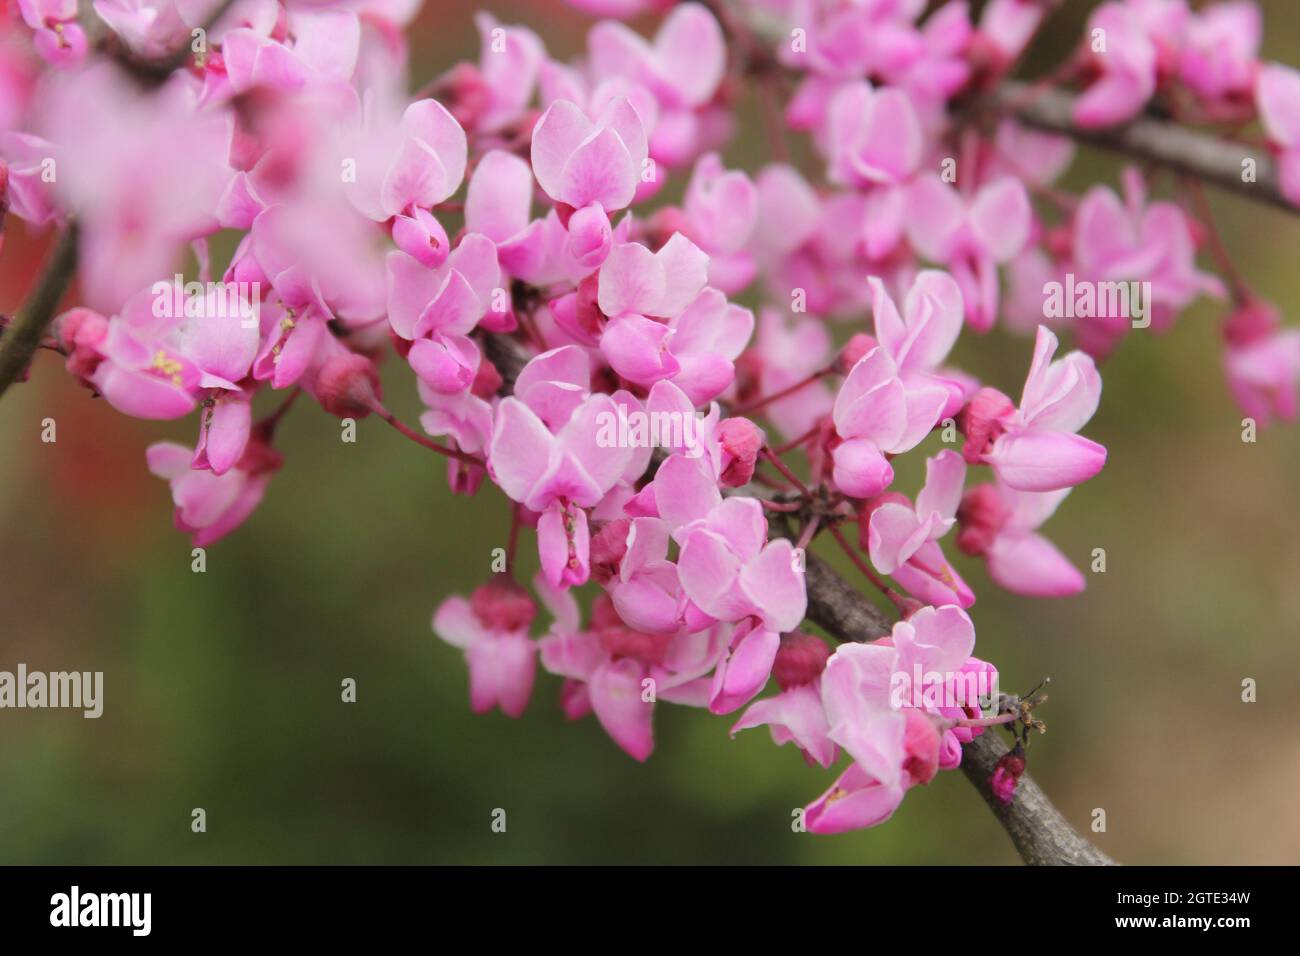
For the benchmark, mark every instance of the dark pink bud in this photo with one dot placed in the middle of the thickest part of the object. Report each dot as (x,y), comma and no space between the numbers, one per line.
(853,351)
(981,515)
(259,457)
(608,546)
(982,421)
(465,93)
(1251,322)
(464,478)
(1006,775)
(348,386)
(487,380)
(80,333)
(741,440)
(920,747)
(664,223)
(800,659)
(503,605)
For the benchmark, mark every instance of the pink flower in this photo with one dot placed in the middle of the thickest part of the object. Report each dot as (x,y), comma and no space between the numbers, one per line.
(509,61)
(620,673)
(897,530)
(143,174)
(1008,25)
(646,592)
(796,714)
(1277,97)
(1036,448)
(403,163)
(440,307)
(493,632)
(893,747)
(539,251)
(874,136)
(721,211)
(921,337)
(1128,240)
(902,538)
(727,567)
(705,333)
(1262,362)
(210,506)
(787,351)
(1001,525)
(1126,67)
(324,51)
(1219,49)
(150,28)
(876,414)
(971,235)
(682,67)
(59,39)
(579,162)
(556,471)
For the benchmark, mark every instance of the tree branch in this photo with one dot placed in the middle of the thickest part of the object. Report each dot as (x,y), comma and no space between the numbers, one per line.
(1038,830)
(1040,833)
(23,336)
(1169,144)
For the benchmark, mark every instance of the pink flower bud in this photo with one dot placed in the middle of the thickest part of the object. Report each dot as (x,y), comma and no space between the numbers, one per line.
(982,514)
(920,747)
(487,380)
(608,546)
(741,440)
(1250,323)
(465,93)
(421,236)
(800,659)
(856,347)
(503,605)
(590,237)
(348,386)
(982,421)
(1006,775)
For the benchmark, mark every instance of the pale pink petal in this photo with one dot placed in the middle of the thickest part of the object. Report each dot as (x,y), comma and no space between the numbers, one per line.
(1029,564)
(745,671)
(499,197)
(521,448)
(1045,461)
(616,698)
(775,587)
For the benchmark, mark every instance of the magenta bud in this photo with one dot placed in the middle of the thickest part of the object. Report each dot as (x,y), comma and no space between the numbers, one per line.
(1007,774)
(348,386)
(854,349)
(800,659)
(982,514)
(503,605)
(982,421)
(608,546)
(741,441)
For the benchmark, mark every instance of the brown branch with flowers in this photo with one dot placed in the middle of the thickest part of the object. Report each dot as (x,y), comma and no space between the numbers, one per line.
(1040,832)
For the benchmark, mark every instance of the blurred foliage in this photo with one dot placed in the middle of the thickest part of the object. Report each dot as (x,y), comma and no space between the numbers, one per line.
(223,689)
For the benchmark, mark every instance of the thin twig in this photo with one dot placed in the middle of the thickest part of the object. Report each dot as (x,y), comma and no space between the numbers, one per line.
(24,334)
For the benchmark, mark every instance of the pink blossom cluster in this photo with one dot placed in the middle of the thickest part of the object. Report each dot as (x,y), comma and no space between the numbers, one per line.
(516,202)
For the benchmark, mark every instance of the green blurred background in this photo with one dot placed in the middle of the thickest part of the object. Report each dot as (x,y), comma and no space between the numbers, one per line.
(223,688)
